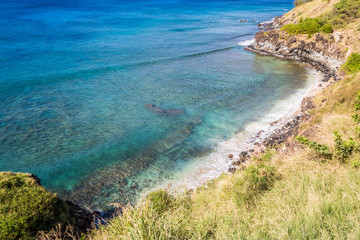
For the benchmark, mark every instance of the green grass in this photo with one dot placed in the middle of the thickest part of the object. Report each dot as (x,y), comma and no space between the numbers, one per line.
(26,207)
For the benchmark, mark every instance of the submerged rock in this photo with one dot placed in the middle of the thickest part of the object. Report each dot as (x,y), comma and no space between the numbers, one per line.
(159,110)
(93,189)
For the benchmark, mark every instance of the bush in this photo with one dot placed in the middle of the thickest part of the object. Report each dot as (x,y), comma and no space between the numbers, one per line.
(343,149)
(352,64)
(356,118)
(355,163)
(26,207)
(357,131)
(357,104)
(344,12)
(327,28)
(308,26)
(321,149)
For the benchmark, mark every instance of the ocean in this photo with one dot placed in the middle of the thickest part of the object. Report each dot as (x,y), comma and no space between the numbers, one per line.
(107,100)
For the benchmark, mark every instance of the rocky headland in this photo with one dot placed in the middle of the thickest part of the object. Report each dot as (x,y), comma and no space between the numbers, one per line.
(323,52)
(320,51)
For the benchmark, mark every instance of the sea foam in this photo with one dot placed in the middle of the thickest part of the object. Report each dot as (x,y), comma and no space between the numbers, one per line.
(246,42)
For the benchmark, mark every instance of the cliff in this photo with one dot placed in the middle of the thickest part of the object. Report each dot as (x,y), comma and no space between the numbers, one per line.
(291,36)
(321,51)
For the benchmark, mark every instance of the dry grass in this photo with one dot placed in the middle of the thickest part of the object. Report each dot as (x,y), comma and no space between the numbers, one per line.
(313,200)
(312,9)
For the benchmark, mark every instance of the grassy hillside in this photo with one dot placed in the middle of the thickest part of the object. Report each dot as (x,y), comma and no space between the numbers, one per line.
(342,15)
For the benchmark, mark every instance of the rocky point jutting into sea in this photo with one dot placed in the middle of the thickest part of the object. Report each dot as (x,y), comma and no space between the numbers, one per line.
(321,52)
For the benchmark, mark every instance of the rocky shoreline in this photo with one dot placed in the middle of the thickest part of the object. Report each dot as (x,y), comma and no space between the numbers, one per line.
(320,52)
(284,132)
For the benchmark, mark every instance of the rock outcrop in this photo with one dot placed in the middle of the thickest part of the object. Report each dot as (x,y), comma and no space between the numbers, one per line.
(270,25)
(320,51)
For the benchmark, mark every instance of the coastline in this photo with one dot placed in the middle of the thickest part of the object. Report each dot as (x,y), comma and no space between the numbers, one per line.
(280,159)
(256,136)
(237,152)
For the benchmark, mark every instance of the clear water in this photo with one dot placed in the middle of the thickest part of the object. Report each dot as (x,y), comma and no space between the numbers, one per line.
(75,77)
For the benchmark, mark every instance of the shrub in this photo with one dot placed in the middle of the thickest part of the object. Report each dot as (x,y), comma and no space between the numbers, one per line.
(321,149)
(26,207)
(290,29)
(343,148)
(357,131)
(308,26)
(352,64)
(355,163)
(356,118)
(327,28)
(344,12)
(357,105)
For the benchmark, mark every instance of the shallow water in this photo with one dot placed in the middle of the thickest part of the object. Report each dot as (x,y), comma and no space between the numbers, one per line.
(75,77)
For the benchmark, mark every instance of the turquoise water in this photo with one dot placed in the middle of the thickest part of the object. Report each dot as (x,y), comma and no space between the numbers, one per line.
(75,77)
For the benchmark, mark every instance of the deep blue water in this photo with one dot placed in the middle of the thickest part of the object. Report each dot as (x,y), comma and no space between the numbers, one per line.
(75,77)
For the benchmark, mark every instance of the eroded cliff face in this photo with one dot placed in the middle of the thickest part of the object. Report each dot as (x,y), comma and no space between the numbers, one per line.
(321,51)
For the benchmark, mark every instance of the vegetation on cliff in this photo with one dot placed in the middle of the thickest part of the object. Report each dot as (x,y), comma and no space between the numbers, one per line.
(345,11)
(352,65)
(308,26)
(342,13)
(26,207)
